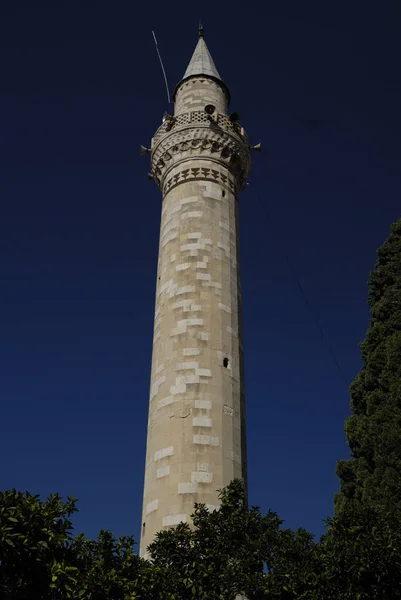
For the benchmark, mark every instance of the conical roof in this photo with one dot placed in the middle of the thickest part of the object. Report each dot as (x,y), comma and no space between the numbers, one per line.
(201,62)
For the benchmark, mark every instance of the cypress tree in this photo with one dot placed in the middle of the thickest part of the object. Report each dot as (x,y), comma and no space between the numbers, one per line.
(371,478)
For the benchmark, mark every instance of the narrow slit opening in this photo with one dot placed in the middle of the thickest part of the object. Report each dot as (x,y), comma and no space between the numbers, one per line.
(225,362)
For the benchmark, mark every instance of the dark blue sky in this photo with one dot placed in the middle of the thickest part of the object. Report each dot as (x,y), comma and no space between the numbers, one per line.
(81,88)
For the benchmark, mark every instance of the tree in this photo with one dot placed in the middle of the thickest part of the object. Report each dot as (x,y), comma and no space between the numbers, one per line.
(108,567)
(235,550)
(227,552)
(362,548)
(360,558)
(40,559)
(35,555)
(373,475)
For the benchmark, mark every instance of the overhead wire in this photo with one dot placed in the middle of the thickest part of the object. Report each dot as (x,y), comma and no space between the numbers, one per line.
(162,66)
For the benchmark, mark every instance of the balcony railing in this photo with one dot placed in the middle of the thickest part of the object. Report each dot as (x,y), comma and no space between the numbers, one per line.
(199,117)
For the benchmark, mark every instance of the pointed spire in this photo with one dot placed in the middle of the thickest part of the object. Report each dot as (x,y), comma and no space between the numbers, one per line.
(201,62)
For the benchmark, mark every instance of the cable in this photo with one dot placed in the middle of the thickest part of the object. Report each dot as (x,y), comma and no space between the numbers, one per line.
(308,304)
(164,72)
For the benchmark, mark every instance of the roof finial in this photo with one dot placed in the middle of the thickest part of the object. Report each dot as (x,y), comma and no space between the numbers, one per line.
(201,29)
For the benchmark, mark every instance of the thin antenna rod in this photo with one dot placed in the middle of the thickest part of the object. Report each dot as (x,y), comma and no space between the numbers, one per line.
(161,62)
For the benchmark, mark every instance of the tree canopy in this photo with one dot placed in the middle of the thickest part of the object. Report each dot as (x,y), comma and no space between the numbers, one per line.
(372,476)
(231,551)
(363,541)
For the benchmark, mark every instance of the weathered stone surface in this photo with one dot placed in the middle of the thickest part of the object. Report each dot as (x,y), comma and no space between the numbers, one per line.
(196,428)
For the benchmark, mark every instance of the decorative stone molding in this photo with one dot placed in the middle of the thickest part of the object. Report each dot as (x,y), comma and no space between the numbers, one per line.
(194,136)
(195,117)
(200,174)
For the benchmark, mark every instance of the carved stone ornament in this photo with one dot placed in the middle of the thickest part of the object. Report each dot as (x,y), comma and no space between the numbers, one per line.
(218,141)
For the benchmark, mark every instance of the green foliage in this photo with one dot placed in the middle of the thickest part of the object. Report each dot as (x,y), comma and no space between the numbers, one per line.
(223,555)
(361,560)
(41,560)
(109,567)
(362,548)
(35,546)
(235,550)
(372,477)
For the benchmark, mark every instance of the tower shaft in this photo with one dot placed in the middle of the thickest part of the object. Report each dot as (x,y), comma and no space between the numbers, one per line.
(196,428)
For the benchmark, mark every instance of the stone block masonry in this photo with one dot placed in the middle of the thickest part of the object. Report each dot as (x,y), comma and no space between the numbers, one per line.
(196,425)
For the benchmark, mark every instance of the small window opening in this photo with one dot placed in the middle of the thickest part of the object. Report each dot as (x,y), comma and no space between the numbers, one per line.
(225,362)
(223,193)
(143,528)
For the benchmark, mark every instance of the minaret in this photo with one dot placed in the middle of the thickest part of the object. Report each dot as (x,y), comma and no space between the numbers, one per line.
(196,429)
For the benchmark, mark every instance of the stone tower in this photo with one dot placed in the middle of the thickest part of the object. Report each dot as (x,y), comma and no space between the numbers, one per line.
(196,429)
